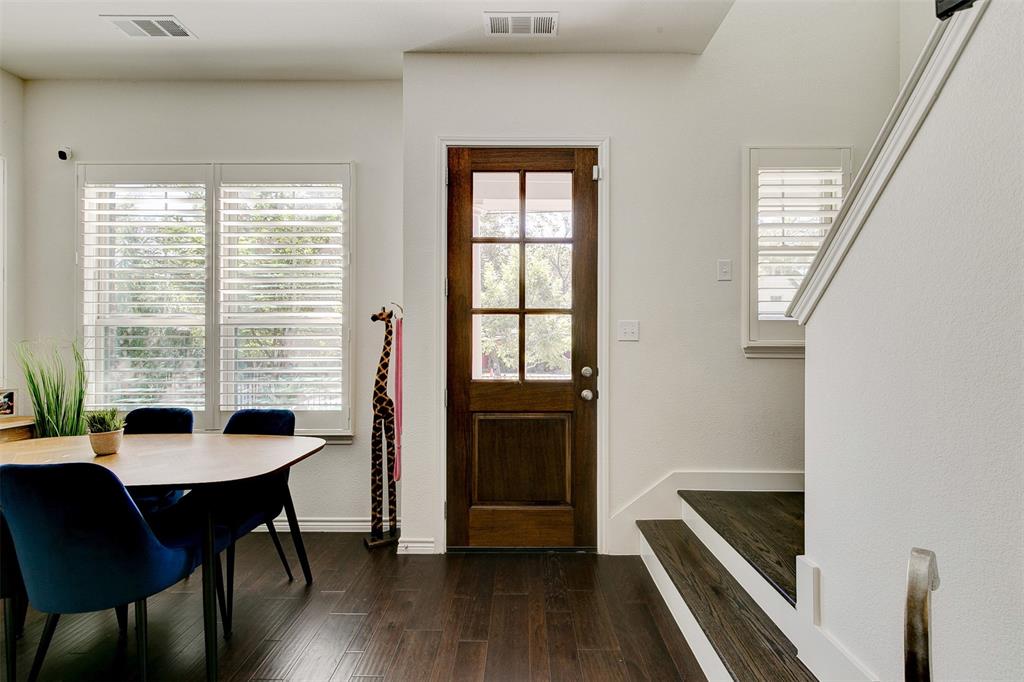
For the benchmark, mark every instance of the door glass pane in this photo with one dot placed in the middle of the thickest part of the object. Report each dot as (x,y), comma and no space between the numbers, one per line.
(495,204)
(495,275)
(549,275)
(495,347)
(549,347)
(549,204)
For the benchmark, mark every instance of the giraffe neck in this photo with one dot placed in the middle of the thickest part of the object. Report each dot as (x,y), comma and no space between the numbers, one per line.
(385,358)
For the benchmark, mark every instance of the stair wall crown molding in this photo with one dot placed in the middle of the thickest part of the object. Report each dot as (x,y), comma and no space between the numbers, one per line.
(919,93)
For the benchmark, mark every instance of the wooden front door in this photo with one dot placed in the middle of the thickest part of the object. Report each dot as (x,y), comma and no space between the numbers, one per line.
(522,347)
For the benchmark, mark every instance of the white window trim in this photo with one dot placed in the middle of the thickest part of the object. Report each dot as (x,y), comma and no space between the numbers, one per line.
(786,339)
(211,419)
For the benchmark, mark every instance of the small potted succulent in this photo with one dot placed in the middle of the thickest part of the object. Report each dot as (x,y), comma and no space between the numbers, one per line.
(105,431)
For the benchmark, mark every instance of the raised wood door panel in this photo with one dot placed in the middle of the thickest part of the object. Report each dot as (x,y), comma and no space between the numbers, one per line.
(522,325)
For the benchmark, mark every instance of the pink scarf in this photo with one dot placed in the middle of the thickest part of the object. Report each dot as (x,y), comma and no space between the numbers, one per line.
(398,399)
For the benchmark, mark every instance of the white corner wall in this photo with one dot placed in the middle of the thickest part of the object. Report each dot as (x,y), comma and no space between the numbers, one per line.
(157,122)
(917,21)
(684,397)
(12,130)
(915,385)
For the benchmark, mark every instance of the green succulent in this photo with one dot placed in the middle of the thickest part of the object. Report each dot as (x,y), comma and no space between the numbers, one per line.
(102,421)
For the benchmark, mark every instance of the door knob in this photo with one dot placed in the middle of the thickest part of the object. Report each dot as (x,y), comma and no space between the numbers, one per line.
(587,394)
(587,372)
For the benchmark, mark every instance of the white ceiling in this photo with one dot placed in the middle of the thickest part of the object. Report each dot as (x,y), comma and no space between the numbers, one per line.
(323,39)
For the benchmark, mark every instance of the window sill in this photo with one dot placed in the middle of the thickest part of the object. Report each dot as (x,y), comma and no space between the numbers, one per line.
(758,350)
(331,438)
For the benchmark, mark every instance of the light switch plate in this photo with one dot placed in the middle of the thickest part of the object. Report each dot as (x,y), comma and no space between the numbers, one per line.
(629,330)
(724,270)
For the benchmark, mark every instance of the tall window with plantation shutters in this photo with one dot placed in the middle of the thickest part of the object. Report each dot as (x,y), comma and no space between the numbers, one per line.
(282,270)
(144,261)
(793,197)
(218,287)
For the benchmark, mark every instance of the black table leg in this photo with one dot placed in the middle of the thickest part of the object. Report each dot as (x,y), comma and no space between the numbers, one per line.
(210,599)
(10,647)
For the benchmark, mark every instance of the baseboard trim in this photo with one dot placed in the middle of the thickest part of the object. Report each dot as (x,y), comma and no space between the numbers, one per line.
(699,643)
(417,546)
(325,524)
(661,500)
(822,653)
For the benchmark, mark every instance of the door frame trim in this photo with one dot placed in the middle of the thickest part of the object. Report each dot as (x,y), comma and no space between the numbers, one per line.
(602,144)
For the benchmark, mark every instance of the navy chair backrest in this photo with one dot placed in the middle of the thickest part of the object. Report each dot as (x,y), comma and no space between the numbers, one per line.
(159,420)
(82,543)
(262,423)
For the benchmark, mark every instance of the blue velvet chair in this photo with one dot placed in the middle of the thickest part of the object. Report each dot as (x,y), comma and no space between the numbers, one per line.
(151,499)
(83,545)
(261,500)
(243,506)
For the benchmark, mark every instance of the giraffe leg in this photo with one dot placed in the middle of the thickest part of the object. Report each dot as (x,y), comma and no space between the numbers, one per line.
(389,433)
(376,475)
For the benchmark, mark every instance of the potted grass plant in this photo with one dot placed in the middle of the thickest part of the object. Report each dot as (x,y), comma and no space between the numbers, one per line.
(57,394)
(105,431)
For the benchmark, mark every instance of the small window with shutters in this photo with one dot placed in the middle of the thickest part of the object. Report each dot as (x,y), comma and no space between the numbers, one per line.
(217,288)
(792,198)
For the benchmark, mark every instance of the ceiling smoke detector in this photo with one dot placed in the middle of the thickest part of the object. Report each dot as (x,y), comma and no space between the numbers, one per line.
(149,26)
(543,24)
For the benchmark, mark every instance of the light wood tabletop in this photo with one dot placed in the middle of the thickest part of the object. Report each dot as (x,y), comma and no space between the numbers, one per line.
(178,460)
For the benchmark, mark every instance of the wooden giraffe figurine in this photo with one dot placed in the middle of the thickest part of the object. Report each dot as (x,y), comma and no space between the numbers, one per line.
(383,428)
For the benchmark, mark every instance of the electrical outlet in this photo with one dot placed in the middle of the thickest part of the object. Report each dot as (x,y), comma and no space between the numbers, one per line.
(724,270)
(629,330)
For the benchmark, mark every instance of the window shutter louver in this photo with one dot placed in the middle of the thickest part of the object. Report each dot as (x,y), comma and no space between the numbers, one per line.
(144,257)
(282,261)
(795,210)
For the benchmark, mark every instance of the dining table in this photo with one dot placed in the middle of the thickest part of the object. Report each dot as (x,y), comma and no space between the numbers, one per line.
(183,461)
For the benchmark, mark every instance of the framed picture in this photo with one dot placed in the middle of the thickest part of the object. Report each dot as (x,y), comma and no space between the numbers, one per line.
(6,402)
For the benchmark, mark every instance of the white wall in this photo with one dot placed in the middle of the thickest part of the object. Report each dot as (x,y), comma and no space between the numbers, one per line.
(684,397)
(12,129)
(917,21)
(915,385)
(157,122)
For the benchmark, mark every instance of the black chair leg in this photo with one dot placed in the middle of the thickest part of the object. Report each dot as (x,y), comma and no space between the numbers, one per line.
(20,611)
(141,637)
(10,642)
(44,643)
(230,587)
(293,524)
(225,613)
(280,549)
(122,619)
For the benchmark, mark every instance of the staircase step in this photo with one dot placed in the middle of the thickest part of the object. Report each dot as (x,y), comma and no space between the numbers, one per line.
(765,528)
(748,643)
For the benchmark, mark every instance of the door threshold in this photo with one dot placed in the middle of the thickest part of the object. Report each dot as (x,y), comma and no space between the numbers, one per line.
(522,550)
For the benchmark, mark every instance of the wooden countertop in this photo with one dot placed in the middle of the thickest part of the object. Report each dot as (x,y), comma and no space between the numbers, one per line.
(12,422)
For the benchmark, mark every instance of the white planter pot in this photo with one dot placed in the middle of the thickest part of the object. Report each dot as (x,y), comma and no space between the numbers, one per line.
(107,443)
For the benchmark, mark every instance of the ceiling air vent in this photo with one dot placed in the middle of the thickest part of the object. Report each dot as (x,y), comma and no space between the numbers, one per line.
(521,24)
(149,26)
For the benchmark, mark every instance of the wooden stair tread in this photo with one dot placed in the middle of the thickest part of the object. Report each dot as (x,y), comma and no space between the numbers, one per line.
(766,528)
(748,642)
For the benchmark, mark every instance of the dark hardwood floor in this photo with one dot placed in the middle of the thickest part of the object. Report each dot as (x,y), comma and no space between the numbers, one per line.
(378,615)
(751,647)
(766,528)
